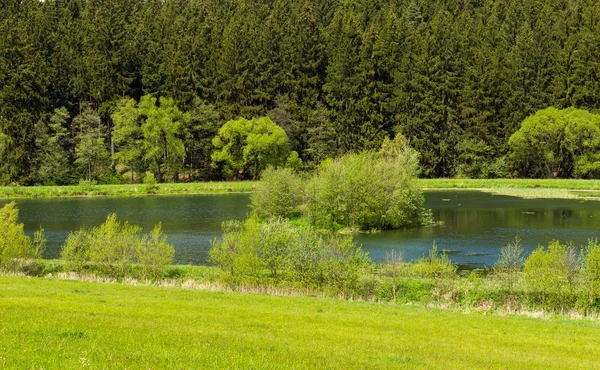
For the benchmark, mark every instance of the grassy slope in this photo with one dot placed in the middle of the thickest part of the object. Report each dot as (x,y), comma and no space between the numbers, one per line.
(67,324)
(125,189)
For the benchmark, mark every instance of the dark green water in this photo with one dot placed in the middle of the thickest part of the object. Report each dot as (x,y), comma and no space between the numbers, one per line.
(475,226)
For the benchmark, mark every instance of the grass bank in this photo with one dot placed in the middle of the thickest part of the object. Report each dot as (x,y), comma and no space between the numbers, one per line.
(524,188)
(55,324)
(126,189)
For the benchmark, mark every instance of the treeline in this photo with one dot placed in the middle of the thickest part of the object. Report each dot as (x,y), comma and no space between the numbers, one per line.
(456,77)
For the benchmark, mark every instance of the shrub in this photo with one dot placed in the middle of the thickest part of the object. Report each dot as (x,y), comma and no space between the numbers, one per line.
(154,253)
(436,265)
(278,194)
(150,182)
(509,266)
(14,244)
(551,273)
(277,251)
(591,271)
(368,190)
(113,246)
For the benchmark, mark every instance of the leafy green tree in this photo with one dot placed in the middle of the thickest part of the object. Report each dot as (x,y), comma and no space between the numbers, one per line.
(249,146)
(163,130)
(127,134)
(554,142)
(153,133)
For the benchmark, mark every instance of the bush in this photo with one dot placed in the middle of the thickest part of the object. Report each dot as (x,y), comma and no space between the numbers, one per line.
(276,251)
(154,253)
(368,190)
(114,246)
(278,194)
(591,272)
(551,273)
(436,265)
(508,267)
(14,244)
(150,182)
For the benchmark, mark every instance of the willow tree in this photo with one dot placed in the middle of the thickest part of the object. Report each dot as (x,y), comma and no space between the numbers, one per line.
(249,146)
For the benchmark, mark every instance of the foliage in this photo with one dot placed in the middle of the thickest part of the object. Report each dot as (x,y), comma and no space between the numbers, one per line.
(590,272)
(14,244)
(154,254)
(278,194)
(150,182)
(554,142)
(336,76)
(250,146)
(52,145)
(508,267)
(368,190)
(90,147)
(277,251)
(551,273)
(113,246)
(436,265)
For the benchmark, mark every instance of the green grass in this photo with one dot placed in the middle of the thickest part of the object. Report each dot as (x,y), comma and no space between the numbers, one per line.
(568,184)
(524,188)
(561,188)
(126,189)
(54,324)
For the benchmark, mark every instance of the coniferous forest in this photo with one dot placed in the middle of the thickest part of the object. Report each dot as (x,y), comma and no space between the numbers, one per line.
(455,77)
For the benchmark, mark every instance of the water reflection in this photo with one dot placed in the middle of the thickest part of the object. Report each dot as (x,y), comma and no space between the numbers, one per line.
(475,224)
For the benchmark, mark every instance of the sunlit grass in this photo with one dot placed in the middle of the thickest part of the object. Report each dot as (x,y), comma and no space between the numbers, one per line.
(126,189)
(54,324)
(524,188)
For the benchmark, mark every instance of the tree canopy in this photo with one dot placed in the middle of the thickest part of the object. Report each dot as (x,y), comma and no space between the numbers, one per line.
(557,143)
(455,78)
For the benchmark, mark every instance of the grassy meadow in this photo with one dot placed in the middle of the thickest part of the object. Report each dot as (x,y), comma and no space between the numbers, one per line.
(55,324)
(541,188)
(126,189)
(524,188)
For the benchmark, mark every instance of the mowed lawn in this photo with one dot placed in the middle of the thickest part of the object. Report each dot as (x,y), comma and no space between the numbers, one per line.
(53,324)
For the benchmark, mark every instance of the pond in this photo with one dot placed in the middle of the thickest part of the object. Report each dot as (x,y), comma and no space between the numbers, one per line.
(475,224)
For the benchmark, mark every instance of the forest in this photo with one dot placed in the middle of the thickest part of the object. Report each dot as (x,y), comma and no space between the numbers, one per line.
(108,90)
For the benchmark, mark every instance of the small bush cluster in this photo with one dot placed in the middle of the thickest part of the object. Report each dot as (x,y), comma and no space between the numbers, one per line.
(14,244)
(366,191)
(278,194)
(113,247)
(277,252)
(561,278)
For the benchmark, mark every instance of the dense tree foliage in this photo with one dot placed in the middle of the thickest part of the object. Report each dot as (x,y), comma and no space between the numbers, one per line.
(556,142)
(454,77)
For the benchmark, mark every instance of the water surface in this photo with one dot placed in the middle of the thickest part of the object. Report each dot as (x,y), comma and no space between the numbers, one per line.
(475,224)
